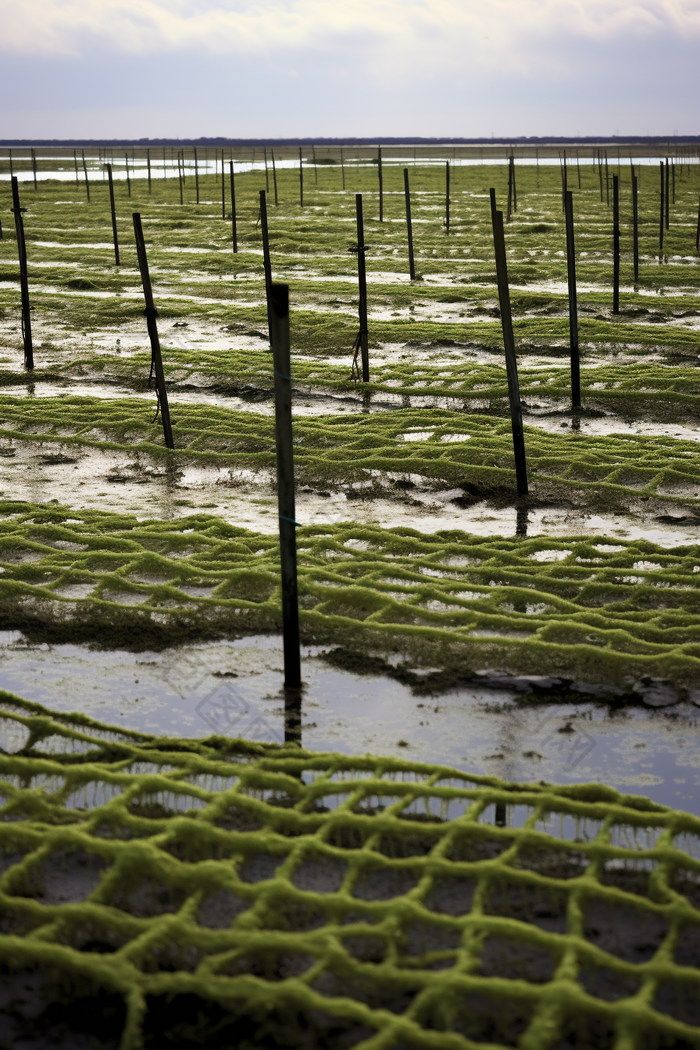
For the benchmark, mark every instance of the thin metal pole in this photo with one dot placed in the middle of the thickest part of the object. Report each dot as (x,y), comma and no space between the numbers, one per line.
(196,174)
(573,304)
(616,244)
(279,315)
(635,227)
(148,162)
(510,189)
(447,197)
(223,188)
(667,198)
(181,175)
(23,277)
(266,258)
(380,175)
(516,412)
(234,230)
(697,234)
(114,215)
(409,226)
(128,177)
(34,169)
(151,315)
(564,181)
(342,166)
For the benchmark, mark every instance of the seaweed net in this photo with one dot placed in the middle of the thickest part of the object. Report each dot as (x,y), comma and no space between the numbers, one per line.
(580,609)
(168,892)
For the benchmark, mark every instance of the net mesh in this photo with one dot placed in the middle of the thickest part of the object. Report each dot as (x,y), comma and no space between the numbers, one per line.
(169,892)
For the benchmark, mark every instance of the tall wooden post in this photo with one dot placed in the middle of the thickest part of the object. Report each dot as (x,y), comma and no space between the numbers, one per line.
(87,181)
(380,176)
(234,230)
(313,154)
(301,180)
(661,210)
(148,162)
(342,166)
(23,276)
(361,346)
(274,176)
(115,235)
(196,174)
(151,315)
(223,189)
(635,227)
(266,258)
(409,226)
(279,316)
(564,182)
(573,303)
(667,197)
(516,412)
(616,244)
(181,175)
(509,210)
(697,233)
(447,197)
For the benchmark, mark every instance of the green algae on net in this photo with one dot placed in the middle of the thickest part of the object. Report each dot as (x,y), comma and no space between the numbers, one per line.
(161,892)
(579,609)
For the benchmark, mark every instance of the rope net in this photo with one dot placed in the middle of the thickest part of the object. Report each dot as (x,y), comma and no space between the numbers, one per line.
(176,893)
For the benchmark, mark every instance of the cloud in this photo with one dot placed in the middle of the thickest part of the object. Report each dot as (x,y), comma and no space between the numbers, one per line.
(397,32)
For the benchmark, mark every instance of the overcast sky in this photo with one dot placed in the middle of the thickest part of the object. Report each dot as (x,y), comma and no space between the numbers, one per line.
(133,68)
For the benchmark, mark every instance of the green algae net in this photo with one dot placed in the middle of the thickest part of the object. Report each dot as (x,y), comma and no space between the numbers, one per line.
(159,892)
(450,604)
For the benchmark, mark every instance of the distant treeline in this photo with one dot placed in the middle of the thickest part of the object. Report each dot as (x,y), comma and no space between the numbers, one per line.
(523,140)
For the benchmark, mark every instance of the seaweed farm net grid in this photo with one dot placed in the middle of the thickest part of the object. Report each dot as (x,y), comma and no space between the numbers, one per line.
(202,892)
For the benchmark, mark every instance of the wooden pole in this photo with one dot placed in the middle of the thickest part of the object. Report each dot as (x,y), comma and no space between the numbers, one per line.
(661,210)
(342,166)
(361,346)
(616,244)
(447,197)
(34,170)
(279,315)
(234,230)
(266,258)
(380,175)
(128,177)
(510,191)
(151,315)
(267,173)
(635,227)
(697,233)
(516,412)
(181,176)
(564,183)
(573,304)
(313,153)
(515,184)
(148,162)
(600,174)
(301,180)
(115,236)
(607,181)
(409,226)
(23,277)
(667,198)
(87,182)
(196,174)
(223,189)
(274,176)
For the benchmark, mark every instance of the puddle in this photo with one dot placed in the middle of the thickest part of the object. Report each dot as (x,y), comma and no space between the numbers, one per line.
(234,688)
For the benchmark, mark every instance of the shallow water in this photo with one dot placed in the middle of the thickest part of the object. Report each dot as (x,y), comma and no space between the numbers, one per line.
(235,688)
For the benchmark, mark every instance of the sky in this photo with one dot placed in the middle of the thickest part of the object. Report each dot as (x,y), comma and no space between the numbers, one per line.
(286,68)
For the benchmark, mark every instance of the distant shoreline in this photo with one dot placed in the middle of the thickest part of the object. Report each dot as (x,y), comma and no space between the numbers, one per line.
(533,140)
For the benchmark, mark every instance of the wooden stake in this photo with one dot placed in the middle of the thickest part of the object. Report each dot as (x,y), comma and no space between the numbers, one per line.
(196,174)
(128,178)
(661,210)
(510,189)
(516,416)
(381,184)
(234,231)
(181,176)
(666,198)
(600,174)
(115,236)
(616,244)
(301,180)
(313,152)
(607,181)
(342,167)
(279,316)
(361,347)
(266,258)
(447,197)
(409,226)
(697,233)
(151,315)
(564,183)
(635,227)
(148,162)
(223,188)
(573,303)
(267,173)
(87,182)
(274,176)
(34,170)
(23,276)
